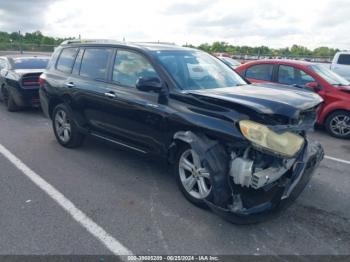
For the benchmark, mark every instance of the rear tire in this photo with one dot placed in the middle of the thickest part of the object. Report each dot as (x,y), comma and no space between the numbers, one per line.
(338,124)
(9,101)
(65,129)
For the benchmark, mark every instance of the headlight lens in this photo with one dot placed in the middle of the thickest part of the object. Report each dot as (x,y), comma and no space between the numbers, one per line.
(287,143)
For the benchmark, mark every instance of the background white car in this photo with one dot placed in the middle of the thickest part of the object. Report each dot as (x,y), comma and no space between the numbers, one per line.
(341,64)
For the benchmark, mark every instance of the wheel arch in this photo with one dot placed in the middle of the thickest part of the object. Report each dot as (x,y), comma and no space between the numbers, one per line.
(65,99)
(325,118)
(185,137)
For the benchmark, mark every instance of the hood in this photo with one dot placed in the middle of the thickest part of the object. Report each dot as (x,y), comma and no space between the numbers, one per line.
(28,71)
(263,98)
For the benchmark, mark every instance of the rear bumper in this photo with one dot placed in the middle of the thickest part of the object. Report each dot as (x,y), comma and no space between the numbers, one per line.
(283,196)
(44,102)
(26,97)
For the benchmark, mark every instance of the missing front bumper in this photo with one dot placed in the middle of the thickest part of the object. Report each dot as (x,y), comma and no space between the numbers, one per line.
(281,197)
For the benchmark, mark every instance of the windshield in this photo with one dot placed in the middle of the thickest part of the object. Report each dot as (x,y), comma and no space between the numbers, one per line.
(230,61)
(194,70)
(30,63)
(330,76)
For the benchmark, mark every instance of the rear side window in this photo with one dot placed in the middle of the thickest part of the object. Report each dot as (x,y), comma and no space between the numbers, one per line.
(66,60)
(129,66)
(95,63)
(260,72)
(344,59)
(289,75)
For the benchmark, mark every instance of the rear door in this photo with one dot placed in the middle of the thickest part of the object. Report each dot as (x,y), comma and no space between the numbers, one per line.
(59,73)
(260,73)
(135,117)
(88,83)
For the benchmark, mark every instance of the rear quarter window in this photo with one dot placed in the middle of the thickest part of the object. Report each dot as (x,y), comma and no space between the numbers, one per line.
(260,72)
(66,60)
(344,59)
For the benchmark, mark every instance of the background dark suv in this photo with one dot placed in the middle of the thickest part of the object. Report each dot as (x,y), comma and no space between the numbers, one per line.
(19,80)
(241,151)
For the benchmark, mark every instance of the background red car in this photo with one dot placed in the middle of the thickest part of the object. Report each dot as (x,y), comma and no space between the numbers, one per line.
(334,89)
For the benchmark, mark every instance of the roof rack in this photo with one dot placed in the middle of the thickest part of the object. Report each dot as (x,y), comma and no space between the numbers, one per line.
(87,41)
(158,42)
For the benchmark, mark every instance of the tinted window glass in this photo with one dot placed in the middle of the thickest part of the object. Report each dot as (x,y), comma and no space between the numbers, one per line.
(66,60)
(289,75)
(129,66)
(30,63)
(95,62)
(260,72)
(344,59)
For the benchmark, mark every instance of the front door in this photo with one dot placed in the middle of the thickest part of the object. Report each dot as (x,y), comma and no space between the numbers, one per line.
(113,107)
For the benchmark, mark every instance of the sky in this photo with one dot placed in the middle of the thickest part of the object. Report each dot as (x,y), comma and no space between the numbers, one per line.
(274,23)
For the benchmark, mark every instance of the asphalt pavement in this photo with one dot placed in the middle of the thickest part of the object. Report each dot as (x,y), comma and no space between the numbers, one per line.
(136,201)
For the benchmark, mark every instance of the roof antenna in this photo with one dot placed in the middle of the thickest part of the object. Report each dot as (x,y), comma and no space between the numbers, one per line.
(124,39)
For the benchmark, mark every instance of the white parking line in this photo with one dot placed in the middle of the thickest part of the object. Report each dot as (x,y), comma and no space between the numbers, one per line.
(98,232)
(337,160)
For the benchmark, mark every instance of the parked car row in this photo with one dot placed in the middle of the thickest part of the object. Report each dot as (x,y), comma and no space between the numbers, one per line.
(334,113)
(242,150)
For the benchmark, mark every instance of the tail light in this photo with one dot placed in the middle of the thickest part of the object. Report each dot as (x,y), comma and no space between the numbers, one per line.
(42,80)
(30,80)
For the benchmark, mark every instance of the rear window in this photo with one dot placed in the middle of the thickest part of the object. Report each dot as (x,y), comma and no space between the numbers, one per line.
(95,62)
(344,60)
(66,60)
(260,72)
(30,63)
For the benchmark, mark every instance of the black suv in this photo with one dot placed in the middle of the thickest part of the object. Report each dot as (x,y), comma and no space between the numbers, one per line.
(239,150)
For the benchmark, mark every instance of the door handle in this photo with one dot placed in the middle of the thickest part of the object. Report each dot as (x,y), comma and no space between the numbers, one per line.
(70,84)
(110,94)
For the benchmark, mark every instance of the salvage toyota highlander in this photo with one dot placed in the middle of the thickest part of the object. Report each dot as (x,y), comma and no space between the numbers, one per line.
(241,151)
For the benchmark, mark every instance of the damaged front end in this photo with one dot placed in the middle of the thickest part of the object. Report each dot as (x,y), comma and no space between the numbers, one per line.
(249,181)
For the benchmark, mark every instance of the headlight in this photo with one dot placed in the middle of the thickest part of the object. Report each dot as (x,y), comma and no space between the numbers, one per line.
(287,143)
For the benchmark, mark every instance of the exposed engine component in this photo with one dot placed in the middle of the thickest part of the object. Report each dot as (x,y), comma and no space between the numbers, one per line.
(245,171)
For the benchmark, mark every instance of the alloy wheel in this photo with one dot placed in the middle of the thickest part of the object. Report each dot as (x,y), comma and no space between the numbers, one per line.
(340,125)
(194,177)
(62,126)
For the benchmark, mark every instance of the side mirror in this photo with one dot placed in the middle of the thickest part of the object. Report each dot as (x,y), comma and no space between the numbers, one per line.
(314,86)
(147,84)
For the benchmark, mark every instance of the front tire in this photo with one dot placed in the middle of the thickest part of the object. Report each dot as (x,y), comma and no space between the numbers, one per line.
(65,129)
(192,178)
(338,124)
